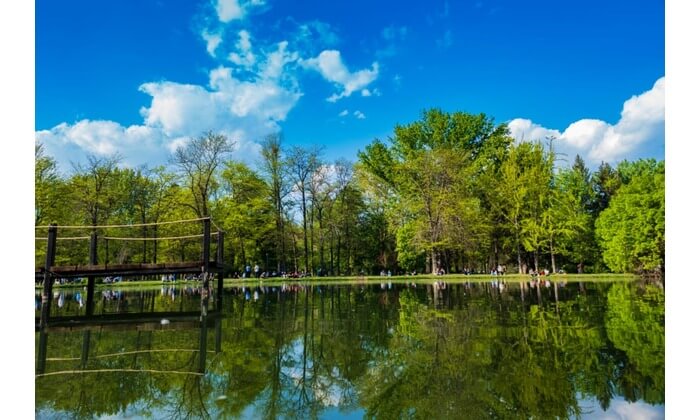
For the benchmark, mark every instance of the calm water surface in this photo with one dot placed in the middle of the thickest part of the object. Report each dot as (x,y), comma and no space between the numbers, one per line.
(390,350)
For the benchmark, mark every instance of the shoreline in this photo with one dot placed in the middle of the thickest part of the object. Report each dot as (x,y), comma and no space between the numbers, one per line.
(423,279)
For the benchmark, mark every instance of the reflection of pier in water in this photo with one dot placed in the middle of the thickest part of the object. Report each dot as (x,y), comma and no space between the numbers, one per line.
(130,322)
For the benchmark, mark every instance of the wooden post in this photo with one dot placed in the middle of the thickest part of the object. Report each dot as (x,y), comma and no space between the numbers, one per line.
(203,344)
(206,242)
(90,307)
(48,278)
(86,349)
(220,266)
(217,325)
(41,357)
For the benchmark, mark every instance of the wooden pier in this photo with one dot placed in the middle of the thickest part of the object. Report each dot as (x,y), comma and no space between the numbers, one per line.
(205,268)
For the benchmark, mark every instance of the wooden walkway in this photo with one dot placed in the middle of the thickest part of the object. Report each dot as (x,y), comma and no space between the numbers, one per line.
(204,267)
(138,269)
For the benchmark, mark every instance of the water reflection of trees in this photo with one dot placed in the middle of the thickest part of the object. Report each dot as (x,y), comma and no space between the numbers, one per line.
(444,351)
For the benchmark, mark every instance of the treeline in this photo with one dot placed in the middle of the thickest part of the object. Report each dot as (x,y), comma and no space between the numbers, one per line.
(449,192)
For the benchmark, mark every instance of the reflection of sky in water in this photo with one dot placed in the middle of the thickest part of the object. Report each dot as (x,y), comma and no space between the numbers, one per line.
(621,410)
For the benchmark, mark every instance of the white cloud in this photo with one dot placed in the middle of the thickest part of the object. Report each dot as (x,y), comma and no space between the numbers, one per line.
(522,129)
(213,41)
(244,57)
(330,65)
(180,109)
(136,144)
(359,115)
(277,60)
(343,113)
(243,110)
(640,129)
(318,31)
(229,10)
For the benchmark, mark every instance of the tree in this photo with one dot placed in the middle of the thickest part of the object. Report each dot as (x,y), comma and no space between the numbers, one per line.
(246,211)
(197,162)
(321,191)
(274,171)
(606,181)
(301,164)
(631,230)
(573,189)
(47,187)
(426,171)
(96,188)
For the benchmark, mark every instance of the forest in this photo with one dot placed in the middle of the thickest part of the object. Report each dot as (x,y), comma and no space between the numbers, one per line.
(449,192)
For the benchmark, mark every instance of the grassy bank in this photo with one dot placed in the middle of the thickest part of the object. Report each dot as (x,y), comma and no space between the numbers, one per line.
(450,278)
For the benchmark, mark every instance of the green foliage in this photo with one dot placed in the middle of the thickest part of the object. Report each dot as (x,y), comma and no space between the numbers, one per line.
(448,191)
(635,325)
(631,230)
(409,256)
(429,171)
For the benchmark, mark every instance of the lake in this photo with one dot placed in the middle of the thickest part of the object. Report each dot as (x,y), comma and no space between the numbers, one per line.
(382,350)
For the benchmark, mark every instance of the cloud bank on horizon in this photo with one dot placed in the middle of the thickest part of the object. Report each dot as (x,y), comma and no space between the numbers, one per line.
(255,84)
(640,128)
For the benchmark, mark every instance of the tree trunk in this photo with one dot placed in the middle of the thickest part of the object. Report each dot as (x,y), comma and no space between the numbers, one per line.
(517,245)
(330,248)
(320,239)
(306,244)
(551,248)
(433,260)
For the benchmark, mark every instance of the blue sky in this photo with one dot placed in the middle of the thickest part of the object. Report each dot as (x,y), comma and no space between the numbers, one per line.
(139,77)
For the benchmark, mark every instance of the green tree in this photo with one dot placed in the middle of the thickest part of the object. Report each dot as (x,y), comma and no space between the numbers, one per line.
(302,164)
(197,162)
(275,174)
(631,231)
(427,170)
(245,211)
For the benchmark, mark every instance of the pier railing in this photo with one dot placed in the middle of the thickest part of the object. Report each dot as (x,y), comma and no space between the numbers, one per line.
(204,267)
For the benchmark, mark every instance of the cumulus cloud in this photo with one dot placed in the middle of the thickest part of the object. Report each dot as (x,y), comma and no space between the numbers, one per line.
(229,10)
(229,103)
(244,57)
(243,110)
(135,144)
(523,129)
(330,65)
(359,115)
(213,40)
(343,113)
(639,131)
(276,61)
